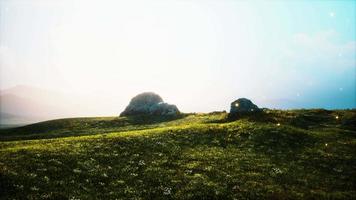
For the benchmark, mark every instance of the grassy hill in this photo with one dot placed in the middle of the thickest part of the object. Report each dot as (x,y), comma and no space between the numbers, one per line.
(276,154)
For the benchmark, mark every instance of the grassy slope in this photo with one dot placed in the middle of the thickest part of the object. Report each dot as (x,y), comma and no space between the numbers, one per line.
(201,156)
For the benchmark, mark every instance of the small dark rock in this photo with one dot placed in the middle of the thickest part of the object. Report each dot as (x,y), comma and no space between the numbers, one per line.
(242,106)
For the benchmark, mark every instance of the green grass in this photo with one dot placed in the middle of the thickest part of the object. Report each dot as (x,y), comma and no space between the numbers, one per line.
(310,155)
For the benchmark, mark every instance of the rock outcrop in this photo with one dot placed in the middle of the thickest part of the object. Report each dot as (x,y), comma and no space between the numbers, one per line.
(242,106)
(149,103)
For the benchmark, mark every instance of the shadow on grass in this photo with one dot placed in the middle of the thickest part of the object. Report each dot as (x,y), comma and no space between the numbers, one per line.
(84,126)
(303,118)
(150,119)
(254,116)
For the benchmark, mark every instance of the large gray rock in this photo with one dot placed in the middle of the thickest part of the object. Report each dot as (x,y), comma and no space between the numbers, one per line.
(242,106)
(149,103)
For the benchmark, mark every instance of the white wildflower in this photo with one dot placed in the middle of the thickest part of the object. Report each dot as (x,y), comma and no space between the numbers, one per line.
(32,175)
(339,170)
(34,188)
(167,191)
(141,162)
(19,186)
(46,178)
(133,174)
(276,171)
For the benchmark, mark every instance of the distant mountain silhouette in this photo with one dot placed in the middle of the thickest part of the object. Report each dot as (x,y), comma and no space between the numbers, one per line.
(23,104)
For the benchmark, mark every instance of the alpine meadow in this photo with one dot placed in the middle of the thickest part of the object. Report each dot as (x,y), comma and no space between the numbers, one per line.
(177,99)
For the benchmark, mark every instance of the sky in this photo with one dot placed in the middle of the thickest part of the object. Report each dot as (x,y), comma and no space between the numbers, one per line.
(199,55)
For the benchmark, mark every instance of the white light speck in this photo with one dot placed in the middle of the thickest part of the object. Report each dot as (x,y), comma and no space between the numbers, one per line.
(332,14)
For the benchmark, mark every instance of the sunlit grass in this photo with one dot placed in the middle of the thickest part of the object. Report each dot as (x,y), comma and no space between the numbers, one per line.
(198,156)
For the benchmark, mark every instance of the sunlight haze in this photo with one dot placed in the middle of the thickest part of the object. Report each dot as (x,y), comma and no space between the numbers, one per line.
(199,55)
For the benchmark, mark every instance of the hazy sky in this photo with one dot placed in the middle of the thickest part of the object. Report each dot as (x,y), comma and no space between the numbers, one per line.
(199,55)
